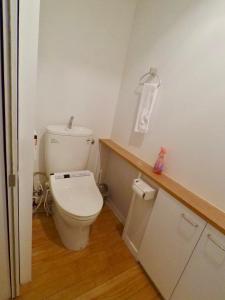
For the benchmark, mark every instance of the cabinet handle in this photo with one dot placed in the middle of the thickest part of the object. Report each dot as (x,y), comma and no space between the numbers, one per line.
(214,242)
(189,221)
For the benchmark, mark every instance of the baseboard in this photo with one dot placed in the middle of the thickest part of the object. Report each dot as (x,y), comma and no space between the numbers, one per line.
(130,246)
(115,210)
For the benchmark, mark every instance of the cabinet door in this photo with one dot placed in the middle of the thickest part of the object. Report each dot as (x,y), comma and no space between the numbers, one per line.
(170,237)
(204,276)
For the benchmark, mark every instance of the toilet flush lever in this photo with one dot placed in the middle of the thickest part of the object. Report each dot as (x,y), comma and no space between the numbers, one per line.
(91,141)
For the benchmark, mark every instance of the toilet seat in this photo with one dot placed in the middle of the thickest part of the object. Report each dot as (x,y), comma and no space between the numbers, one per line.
(76,194)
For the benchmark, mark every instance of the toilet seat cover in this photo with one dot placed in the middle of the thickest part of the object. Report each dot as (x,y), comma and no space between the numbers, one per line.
(76,193)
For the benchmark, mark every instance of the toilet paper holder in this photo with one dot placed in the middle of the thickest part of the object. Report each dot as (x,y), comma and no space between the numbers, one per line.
(143,190)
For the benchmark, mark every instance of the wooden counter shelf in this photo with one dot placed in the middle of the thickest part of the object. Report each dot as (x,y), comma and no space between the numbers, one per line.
(204,209)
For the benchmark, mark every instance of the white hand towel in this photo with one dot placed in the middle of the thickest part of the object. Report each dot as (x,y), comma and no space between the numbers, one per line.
(147,102)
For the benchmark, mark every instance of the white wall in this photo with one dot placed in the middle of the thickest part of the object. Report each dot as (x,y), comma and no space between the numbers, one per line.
(119,177)
(185,41)
(82,50)
(28,46)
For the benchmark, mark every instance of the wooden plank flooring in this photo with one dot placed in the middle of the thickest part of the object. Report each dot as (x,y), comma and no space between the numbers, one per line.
(104,270)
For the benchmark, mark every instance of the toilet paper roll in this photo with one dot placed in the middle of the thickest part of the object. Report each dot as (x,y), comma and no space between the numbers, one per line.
(143,190)
(140,193)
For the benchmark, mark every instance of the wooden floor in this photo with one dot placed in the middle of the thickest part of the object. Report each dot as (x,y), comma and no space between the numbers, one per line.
(104,270)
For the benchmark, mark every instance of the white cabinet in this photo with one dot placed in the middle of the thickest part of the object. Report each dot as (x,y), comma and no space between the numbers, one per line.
(170,237)
(204,276)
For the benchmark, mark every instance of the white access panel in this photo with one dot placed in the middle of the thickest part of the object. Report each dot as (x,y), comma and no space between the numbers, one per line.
(204,276)
(169,240)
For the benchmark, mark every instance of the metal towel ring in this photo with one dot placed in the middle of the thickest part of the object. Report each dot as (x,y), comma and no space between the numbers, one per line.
(151,74)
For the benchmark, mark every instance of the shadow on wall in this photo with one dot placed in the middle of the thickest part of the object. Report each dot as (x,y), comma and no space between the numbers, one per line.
(119,171)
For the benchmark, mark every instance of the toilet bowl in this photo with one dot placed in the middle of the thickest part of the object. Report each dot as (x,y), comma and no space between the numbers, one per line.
(77,200)
(77,203)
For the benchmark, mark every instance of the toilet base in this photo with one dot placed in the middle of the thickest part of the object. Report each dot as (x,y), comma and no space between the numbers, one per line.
(74,236)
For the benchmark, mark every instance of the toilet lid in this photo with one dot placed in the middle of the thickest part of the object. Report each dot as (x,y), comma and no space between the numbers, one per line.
(76,193)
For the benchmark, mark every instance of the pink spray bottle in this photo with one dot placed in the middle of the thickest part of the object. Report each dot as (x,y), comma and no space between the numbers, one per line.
(159,164)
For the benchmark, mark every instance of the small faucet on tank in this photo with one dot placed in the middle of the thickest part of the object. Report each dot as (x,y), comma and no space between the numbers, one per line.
(70,123)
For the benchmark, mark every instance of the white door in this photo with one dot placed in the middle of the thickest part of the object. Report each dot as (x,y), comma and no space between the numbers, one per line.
(170,237)
(204,276)
(5,287)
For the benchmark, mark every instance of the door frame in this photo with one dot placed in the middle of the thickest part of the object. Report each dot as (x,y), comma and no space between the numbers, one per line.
(5,280)
(10,61)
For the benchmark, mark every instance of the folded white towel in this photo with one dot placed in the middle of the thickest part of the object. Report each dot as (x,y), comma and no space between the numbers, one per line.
(146,105)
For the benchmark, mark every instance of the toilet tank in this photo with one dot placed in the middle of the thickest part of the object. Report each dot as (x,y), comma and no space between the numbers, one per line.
(67,149)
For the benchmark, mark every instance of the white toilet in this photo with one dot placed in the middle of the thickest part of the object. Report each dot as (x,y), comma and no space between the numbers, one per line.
(77,200)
